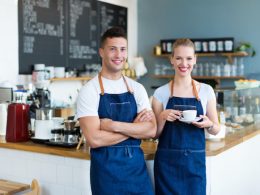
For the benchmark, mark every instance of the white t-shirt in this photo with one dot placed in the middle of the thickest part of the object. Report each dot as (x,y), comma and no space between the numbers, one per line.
(206,93)
(88,99)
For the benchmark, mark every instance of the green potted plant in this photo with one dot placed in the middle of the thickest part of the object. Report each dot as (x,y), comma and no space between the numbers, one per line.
(246,47)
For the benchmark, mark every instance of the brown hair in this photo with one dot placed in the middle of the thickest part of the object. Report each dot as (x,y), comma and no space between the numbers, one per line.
(182,42)
(111,33)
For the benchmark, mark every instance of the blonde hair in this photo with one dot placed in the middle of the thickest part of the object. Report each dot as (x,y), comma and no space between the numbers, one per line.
(182,42)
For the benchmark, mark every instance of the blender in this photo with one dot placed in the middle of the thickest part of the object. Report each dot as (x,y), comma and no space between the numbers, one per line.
(6,96)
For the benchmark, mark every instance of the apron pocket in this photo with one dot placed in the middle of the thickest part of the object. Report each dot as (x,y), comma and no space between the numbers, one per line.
(121,112)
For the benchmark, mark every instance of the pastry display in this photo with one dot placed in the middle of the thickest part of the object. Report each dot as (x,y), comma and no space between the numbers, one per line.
(247,83)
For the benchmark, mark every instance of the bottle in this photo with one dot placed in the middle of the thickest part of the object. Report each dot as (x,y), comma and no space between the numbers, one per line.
(242,105)
(200,73)
(222,122)
(157,50)
(169,47)
(233,70)
(235,103)
(249,105)
(222,67)
(227,70)
(195,70)
(240,68)
(228,106)
(218,70)
(257,110)
(206,69)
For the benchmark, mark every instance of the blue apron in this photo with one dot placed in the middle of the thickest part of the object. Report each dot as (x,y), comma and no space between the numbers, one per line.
(179,166)
(119,169)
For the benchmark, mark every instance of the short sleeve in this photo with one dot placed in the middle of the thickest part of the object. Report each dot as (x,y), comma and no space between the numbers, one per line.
(87,102)
(158,95)
(210,93)
(141,98)
(162,94)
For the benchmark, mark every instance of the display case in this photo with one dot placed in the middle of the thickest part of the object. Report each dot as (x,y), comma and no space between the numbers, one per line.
(241,107)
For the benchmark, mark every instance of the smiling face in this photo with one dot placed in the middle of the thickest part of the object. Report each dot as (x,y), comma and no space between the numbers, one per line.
(183,60)
(113,54)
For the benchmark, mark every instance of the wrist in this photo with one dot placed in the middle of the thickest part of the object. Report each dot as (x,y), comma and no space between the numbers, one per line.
(162,117)
(210,128)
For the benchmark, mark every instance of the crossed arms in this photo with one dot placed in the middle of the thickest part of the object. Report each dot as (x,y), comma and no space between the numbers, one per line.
(105,132)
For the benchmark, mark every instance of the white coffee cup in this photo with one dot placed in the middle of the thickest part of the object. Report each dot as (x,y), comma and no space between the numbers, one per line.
(189,115)
(39,66)
(59,72)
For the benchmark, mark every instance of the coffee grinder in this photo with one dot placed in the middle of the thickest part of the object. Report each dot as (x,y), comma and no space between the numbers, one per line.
(41,95)
(18,118)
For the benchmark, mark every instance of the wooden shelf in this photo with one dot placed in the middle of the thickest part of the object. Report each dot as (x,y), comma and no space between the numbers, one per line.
(231,54)
(77,79)
(217,79)
(201,77)
(227,55)
(72,79)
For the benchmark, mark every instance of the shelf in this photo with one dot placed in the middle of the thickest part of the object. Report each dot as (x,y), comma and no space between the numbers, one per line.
(77,79)
(231,54)
(217,79)
(201,77)
(228,55)
(72,79)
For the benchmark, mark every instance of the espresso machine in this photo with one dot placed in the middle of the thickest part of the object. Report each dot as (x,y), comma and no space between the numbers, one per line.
(41,97)
(41,113)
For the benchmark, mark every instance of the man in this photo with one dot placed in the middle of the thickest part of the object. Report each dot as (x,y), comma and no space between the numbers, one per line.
(114,114)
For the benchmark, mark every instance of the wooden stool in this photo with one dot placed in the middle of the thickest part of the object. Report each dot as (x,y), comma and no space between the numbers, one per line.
(35,188)
(10,187)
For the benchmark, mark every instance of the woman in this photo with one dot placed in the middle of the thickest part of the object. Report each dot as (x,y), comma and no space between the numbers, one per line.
(179,166)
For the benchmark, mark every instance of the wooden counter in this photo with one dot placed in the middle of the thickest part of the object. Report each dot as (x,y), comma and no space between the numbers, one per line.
(212,147)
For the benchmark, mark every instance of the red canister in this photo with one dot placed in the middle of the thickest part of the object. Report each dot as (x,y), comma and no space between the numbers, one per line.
(17,122)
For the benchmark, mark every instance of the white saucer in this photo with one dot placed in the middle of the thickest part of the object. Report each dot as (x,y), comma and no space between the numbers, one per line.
(188,121)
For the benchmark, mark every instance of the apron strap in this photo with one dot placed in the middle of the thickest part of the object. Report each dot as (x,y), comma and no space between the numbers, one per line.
(194,89)
(128,88)
(102,86)
(195,92)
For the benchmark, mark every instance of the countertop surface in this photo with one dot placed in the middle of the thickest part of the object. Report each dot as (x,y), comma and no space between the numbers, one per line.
(149,147)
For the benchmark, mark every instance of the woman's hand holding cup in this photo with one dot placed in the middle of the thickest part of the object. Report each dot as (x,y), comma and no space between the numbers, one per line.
(171,115)
(205,123)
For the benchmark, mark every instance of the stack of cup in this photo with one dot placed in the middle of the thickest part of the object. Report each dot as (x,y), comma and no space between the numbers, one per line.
(59,72)
(50,70)
(3,118)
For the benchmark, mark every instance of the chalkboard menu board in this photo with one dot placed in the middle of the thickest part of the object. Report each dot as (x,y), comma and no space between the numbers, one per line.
(41,33)
(64,32)
(82,33)
(111,15)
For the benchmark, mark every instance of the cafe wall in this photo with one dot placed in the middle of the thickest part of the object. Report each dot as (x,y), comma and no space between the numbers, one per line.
(156,20)
(9,36)
(9,48)
(168,19)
